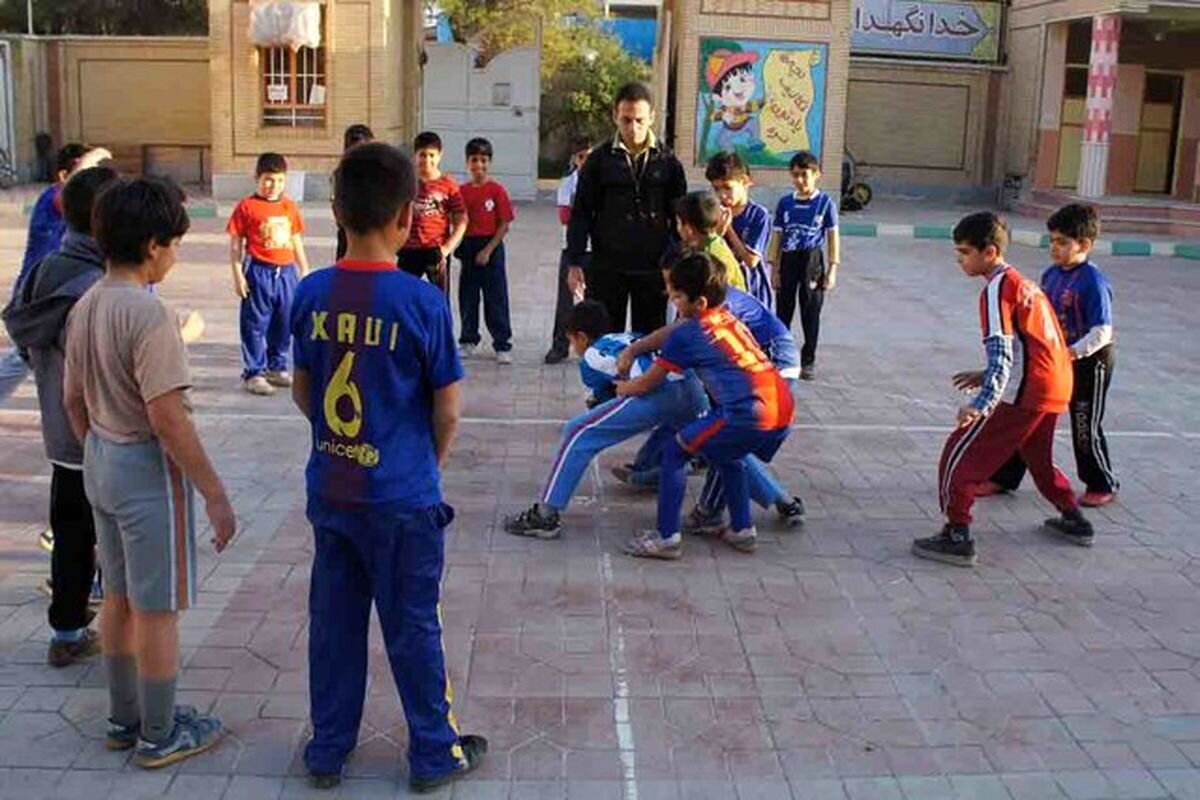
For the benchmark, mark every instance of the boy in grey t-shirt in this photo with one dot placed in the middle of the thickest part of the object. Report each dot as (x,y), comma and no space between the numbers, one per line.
(125,391)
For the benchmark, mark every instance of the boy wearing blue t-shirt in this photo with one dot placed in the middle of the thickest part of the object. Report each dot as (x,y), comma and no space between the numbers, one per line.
(377,376)
(748,224)
(1082,298)
(805,222)
(611,419)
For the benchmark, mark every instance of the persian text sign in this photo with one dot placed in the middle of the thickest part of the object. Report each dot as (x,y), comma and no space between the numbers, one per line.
(962,31)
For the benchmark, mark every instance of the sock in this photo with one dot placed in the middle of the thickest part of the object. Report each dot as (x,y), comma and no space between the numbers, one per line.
(158,708)
(122,689)
(67,636)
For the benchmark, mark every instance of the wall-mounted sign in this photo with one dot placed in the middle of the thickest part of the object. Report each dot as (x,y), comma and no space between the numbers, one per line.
(963,30)
(277,93)
(763,99)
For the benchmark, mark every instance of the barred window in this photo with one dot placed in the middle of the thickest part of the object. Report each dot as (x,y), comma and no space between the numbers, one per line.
(294,86)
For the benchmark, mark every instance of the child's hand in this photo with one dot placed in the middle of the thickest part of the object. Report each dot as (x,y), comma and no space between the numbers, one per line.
(224,523)
(968,381)
(775,281)
(830,281)
(576,282)
(240,287)
(624,363)
(624,387)
(483,257)
(967,415)
(725,221)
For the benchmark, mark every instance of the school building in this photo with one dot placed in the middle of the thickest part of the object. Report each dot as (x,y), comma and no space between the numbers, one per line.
(954,98)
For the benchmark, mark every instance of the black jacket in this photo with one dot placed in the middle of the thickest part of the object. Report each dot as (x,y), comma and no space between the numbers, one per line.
(625,207)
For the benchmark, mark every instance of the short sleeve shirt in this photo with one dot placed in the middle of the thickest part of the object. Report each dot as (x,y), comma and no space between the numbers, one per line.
(753,227)
(268,227)
(1015,307)
(123,350)
(487,206)
(804,223)
(437,201)
(733,368)
(716,247)
(376,344)
(1082,298)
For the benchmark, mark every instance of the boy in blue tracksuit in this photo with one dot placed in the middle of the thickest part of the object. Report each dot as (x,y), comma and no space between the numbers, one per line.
(611,419)
(377,374)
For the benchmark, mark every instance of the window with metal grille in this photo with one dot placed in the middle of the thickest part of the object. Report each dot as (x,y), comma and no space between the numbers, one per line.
(294,86)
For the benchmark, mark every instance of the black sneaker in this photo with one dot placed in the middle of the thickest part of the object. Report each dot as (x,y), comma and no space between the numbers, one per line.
(1073,527)
(555,356)
(539,521)
(324,780)
(953,545)
(791,513)
(474,748)
(808,373)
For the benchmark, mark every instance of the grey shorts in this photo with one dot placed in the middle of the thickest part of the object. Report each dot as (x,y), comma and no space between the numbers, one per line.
(145,523)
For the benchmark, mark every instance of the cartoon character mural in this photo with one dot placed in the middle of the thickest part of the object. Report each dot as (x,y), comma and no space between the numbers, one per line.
(766,100)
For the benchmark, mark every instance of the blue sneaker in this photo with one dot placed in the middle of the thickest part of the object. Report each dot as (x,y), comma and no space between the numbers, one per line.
(125,737)
(192,736)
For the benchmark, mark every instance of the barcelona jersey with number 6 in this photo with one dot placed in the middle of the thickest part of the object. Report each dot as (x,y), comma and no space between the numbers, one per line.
(744,385)
(376,344)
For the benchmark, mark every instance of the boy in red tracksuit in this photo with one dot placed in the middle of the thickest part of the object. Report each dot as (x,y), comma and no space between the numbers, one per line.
(1013,312)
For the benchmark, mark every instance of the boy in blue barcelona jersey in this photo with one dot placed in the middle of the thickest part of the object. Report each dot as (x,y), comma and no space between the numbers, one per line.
(805,222)
(1082,298)
(610,421)
(377,376)
(752,413)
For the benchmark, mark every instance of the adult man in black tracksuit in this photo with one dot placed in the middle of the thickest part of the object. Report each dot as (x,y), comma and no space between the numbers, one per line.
(625,204)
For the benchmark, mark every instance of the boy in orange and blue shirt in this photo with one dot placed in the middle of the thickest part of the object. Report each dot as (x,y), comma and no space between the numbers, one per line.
(267,258)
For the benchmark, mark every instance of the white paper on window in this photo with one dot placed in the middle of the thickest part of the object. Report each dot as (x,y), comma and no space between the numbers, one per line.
(286,23)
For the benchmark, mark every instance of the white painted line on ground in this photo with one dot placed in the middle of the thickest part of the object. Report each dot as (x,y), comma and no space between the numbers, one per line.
(616,658)
(1027,238)
(892,229)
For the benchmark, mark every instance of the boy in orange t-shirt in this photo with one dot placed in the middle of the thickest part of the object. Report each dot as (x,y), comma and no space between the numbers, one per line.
(266,254)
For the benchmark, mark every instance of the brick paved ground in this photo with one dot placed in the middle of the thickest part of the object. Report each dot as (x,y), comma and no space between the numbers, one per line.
(830,665)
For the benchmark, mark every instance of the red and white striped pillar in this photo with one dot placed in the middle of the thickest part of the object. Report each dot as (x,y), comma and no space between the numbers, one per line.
(1102,85)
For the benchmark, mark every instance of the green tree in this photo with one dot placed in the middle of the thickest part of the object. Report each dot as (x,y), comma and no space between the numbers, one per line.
(108,17)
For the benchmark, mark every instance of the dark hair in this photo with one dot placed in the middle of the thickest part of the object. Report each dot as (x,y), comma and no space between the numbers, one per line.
(270,163)
(726,166)
(580,143)
(720,87)
(700,209)
(696,276)
(804,160)
(130,214)
(370,186)
(358,133)
(1075,221)
(480,147)
(79,196)
(427,140)
(589,318)
(69,155)
(632,92)
(980,230)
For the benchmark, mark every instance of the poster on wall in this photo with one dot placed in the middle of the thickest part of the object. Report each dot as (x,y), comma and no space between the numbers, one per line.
(763,99)
(962,30)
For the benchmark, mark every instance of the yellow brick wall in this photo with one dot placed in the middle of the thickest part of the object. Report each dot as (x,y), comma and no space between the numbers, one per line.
(918,124)
(773,20)
(372,53)
(1023,104)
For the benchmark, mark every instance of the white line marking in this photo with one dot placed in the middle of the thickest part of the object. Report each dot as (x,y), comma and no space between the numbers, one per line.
(616,657)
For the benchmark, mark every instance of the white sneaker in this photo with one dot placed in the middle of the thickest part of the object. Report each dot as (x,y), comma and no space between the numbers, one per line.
(744,541)
(466,350)
(504,357)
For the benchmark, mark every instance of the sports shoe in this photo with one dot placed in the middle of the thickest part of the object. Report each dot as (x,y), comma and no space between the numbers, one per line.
(953,545)
(281,379)
(474,748)
(623,473)
(124,737)
(1073,527)
(808,373)
(467,350)
(1092,499)
(554,356)
(192,736)
(649,544)
(702,522)
(991,489)
(539,521)
(46,540)
(257,384)
(64,654)
(504,357)
(792,513)
(324,780)
(744,541)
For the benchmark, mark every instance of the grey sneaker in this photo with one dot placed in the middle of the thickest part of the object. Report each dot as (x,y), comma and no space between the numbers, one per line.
(466,350)
(539,521)
(650,544)
(744,541)
(504,357)
(125,737)
(192,736)
(257,384)
(701,521)
(953,545)
(281,379)
(1073,527)
(64,654)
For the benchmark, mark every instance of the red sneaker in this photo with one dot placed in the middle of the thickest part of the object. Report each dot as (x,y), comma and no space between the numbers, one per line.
(989,489)
(1094,499)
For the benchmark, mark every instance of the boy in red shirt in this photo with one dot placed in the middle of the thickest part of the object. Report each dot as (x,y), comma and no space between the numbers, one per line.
(439,219)
(1013,312)
(266,255)
(489,213)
